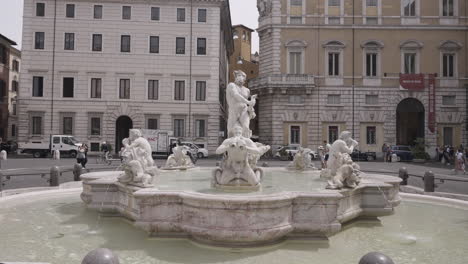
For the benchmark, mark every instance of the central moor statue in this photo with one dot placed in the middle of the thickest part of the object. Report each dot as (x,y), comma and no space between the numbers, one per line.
(238,169)
(240,105)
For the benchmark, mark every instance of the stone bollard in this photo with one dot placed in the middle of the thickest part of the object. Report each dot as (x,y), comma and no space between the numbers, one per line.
(77,171)
(3,155)
(56,154)
(403,174)
(54,176)
(429,184)
(375,258)
(101,256)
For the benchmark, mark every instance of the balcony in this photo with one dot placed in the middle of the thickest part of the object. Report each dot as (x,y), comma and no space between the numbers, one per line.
(283,80)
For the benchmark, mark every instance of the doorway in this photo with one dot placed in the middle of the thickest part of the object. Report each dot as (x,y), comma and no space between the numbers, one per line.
(410,121)
(122,127)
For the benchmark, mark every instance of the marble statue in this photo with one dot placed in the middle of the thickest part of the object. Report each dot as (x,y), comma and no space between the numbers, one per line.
(341,170)
(240,105)
(179,159)
(138,163)
(264,7)
(239,165)
(302,160)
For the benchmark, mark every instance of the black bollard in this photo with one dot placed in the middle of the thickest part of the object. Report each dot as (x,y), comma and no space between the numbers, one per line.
(429,184)
(101,256)
(54,176)
(375,258)
(403,174)
(77,171)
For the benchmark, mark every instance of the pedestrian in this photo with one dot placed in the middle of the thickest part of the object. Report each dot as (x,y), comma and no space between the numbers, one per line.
(86,148)
(460,161)
(81,157)
(385,152)
(326,151)
(436,153)
(321,152)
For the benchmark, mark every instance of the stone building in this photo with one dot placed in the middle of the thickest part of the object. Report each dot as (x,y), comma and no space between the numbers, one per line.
(94,69)
(241,58)
(389,71)
(9,79)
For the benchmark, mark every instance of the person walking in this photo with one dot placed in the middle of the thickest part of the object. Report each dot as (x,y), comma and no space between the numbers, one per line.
(459,161)
(385,152)
(81,157)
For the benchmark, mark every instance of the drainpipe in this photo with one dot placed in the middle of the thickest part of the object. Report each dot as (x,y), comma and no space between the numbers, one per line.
(53,70)
(352,88)
(190,71)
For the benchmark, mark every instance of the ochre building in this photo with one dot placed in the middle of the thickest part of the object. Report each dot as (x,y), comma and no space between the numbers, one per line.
(389,71)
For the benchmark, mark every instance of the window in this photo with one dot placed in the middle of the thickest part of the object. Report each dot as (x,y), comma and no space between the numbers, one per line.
(68,87)
(14,109)
(96,87)
(201,46)
(334,20)
(179,127)
(13,130)
(3,92)
(296,2)
(70,11)
(15,65)
(334,99)
(180,45)
(200,128)
(124,89)
(155,13)
(125,43)
(179,91)
(295,62)
(69,41)
(409,7)
(152,123)
(14,86)
(180,14)
(235,35)
(200,93)
(296,99)
(372,99)
(448,63)
(372,20)
(448,136)
(36,128)
(448,100)
(371,64)
(333,64)
(201,15)
(38,86)
(154,44)
(67,126)
(295,135)
(371,2)
(153,86)
(97,42)
(334,2)
(244,36)
(94,146)
(95,126)
(40,9)
(126,12)
(371,135)
(447,8)
(332,134)
(295,20)
(39,40)
(97,14)
(410,63)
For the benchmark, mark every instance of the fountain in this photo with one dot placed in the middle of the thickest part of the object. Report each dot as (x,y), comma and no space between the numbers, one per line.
(237,211)
(249,214)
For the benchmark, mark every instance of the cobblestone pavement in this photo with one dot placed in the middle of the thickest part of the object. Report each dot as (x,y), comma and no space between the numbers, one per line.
(43,165)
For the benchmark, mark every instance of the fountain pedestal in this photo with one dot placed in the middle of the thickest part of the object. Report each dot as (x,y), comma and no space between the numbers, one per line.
(240,221)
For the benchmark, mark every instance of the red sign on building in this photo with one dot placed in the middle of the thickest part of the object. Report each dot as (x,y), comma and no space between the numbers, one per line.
(412,82)
(432,103)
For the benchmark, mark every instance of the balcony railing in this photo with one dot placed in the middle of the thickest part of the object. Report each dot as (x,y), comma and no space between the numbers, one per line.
(284,79)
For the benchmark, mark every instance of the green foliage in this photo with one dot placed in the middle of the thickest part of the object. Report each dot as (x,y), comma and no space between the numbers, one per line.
(419,149)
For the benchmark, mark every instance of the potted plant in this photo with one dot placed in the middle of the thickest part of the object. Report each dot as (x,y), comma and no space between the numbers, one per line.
(419,151)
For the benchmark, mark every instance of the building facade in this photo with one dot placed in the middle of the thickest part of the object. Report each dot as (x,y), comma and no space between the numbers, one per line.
(94,69)
(242,58)
(389,71)
(9,79)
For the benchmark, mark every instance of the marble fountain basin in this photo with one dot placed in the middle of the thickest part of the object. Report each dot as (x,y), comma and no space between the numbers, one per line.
(290,205)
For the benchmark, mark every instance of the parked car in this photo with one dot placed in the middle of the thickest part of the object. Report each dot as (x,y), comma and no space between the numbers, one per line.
(9,146)
(200,152)
(286,152)
(357,155)
(403,153)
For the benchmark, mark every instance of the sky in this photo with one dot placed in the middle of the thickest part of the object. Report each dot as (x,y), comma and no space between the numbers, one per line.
(11,16)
